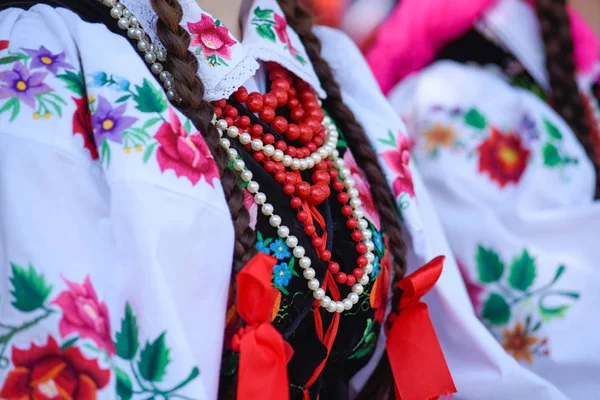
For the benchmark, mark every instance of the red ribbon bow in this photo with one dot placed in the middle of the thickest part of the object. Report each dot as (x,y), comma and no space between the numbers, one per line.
(263,352)
(418,364)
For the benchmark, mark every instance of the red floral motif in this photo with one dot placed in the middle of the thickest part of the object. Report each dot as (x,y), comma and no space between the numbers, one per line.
(82,125)
(45,373)
(503,157)
(364,190)
(281,31)
(3,45)
(252,208)
(473,289)
(186,154)
(232,321)
(379,292)
(84,314)
(398,161)
(213,39)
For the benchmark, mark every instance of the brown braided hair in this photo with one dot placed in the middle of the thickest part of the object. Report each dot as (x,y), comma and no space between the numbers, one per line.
(184,66)
(558,42)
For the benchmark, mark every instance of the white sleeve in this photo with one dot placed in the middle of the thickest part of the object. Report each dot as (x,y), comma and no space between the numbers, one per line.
(479,365)
(110,283)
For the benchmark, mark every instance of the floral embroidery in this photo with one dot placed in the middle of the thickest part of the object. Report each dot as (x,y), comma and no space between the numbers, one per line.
(212,40)
(439,136)
(273,27)
(281,275)
(552,154)
(252,208)
(109,123)
(49,372)
(364,189)
(61,369)
(3,45)
(23,85)
(367,343)
(520,343)
(282,272)
(503,157)
(43,58)
(82,125)
(398,161)
(474,290)
(280,249)
(379,292)
(506,291)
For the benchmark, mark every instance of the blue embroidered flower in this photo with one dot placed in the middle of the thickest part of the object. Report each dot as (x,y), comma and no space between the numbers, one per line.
(378,240)
(281,275)
(280,249)
(376,265)
(261,246)
(99,79)
(123,84)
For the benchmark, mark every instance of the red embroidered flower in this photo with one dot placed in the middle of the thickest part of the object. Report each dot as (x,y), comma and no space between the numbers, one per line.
(213,39)
(364,189)
(281,31)
(252,208)
(503,157)
(82,125)
(3,44)
(398,161)
(379,293)
(84,314)
(473,289)
(186,154)
(45,373)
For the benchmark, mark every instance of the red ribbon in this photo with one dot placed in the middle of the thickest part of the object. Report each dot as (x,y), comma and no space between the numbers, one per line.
(418,364)
(263,352)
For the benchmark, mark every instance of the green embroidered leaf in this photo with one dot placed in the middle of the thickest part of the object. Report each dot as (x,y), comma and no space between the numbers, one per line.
(475,119)
(154,360)
(74,82)
(221,61)
(149,151)
(522,272)
(265,32)
(55,106)
(300,59)
(127,339)
(9,59)
(552,130)
(281,289)
(537,326)
(217,22)
(268,241)
(555,312)
(291,266)
(559,272)
(123,98)
(124,385)
(149,99)
(151,122)
(263,13)
(69,343)
(198,50)
(187,125)
(230,363)
(496,310)
(489,265)
(341,143)
(193,375)
(551,155)
(30,288)
(390,141)
(14,104)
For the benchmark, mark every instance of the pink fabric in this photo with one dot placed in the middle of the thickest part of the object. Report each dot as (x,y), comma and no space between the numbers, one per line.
(417,29)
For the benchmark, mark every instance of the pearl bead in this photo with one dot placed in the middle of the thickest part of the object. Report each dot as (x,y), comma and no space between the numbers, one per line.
(331,307)
(364,280)
(259,198)
(149,57)
(325,301)
(309,273)
(295,164)
(370,256)
(319,294)
(253,188)
(358,214)
(349,183)
(143,45)
(316,157)
(278,155)
(275,220)
(246,175)
(245,138)
(267,209)
(339,307)
(366,233)
(126,13)
(355,203)
(269,150)
(225,143)
(232,131)
(123,23)
(156,68)
(344,173)
(171,94)
(116,13)
(291,241)
(109,3)
(134,21)
(287,160)
(304,262)
(358,289)
(313,284)
(368,268)
(335,153)
(239,165)
(303,164)
(299,252)
(326,121)
(153,48)
(363,224)
(162,55)
(283,231)
(347,304)
(353,297)
(232,153)
(352,193)
(222,124)
(370,245)
(310,163)
(322,152)
(338,163)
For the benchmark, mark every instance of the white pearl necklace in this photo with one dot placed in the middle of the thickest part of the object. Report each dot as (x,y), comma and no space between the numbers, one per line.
(292,241)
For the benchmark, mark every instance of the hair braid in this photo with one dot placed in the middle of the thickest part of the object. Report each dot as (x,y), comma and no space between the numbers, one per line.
(556,33)
(184,67)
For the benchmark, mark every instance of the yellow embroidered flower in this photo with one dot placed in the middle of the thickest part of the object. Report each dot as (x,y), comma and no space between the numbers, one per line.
(36,115)
(439,135)
(127,150)
(91,98)
(518,343)
(47,115)
(138,147)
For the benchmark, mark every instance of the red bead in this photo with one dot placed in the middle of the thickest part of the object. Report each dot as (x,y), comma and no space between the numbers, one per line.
(268,138)
(305,94)
(339,185)
(221,103)
(362,261)
(358,273)
(296,202)
(306,133)
(321,176)
(297,114)
(302,216)
(218,111)
(255,102)
(259,156)
(293,132)
(280,124)
(342,197)
(267,114)
(280,84)
(322,165)
(333,174)
(356,235)
(269,100)
(303,190)
(248,147)
(318,194)
(241,94)
(333,268)
(317,242)
(329,163)
(290,80)
(256,130)
(280,176)
(311,147)
(351,223)
(346,210)
(318,141)
(279,167)
(278,73)
(231,111)
(280,145)
(310,104)
(306,152)
(288,189)
(314,125)
(291,179)
(229,121)
(270,166)
(244,121)
(325,255)
(316,113)
(282,97)
(291,151)
(341,277)
(310,229)
(293,103)
(361,248)
(293,93)
(350,280)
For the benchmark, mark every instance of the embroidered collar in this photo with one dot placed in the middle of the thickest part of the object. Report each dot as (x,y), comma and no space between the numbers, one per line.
(226,64)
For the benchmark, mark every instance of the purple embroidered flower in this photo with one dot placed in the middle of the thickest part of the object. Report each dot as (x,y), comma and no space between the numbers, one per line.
(22,84)
(109,122)
(42,58)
